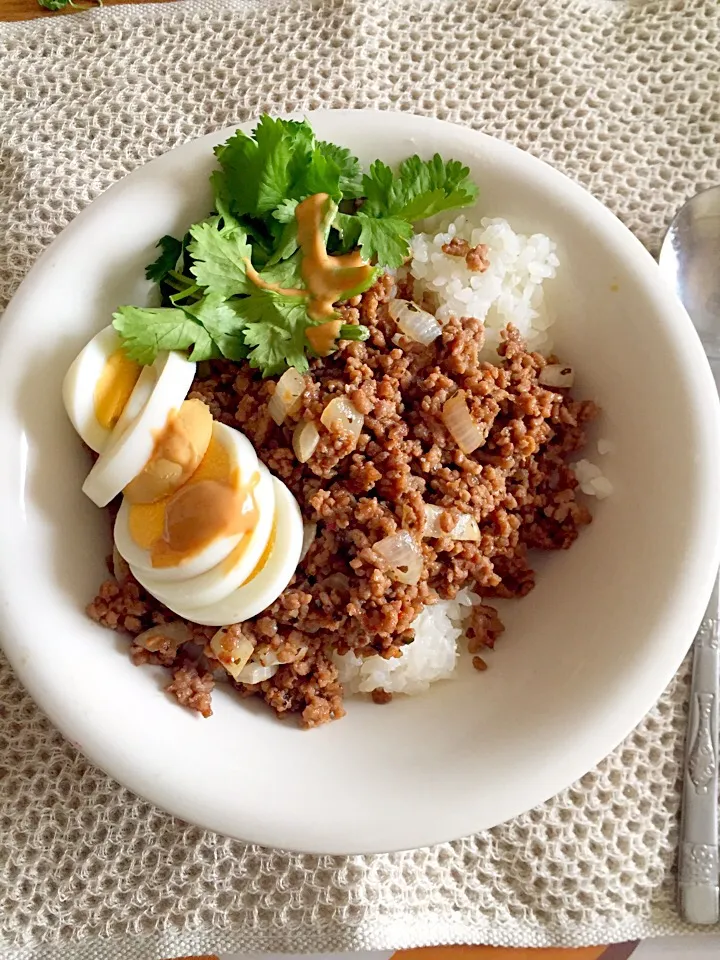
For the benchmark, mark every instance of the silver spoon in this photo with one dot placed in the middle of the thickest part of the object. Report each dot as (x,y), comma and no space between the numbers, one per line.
(690,260)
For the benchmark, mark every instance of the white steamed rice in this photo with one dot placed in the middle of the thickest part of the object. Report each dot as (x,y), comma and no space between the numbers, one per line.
(431,656)
(509,291)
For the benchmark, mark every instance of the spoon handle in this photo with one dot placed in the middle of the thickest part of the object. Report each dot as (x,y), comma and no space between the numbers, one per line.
(698,866)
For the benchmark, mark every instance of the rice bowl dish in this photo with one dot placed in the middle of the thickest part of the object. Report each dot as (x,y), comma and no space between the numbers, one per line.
(338,436)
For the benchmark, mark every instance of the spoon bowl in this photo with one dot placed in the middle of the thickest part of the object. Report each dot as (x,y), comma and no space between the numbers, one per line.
(690,260)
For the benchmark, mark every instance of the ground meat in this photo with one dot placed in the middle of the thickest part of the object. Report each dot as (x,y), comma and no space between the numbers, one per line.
(485,627)
(192,687)
(517,485)
(456,247)
(475,257)
(381,696)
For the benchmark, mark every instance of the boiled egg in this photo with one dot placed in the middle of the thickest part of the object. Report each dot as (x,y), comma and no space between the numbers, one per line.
(130,449)
(200,524)
(272,575)
(97,388)
(237,567)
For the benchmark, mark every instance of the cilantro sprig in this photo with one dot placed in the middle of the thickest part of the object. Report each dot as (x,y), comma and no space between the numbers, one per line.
(55,5)
(234,287)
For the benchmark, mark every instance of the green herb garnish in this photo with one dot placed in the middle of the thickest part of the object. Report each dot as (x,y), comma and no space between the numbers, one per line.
(235,287)
(61,4)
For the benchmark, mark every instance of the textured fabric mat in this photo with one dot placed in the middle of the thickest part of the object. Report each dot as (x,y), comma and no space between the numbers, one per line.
(625,98)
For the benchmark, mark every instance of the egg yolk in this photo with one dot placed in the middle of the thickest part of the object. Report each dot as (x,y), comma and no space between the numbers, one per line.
(211,504)
(113,388)
(178,452)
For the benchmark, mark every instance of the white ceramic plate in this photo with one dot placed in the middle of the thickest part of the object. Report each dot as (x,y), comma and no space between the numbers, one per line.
(584,656)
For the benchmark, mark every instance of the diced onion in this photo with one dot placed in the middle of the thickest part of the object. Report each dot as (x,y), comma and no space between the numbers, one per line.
(256,673)
(305,439)
(342,416)
(309,534)
(419,325)
(557,375)
(466,527)
(463,429)
(285,400)
(402,555)
(232,652)
(265,655)
(175,633)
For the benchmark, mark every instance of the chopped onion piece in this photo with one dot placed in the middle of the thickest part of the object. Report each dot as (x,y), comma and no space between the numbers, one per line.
(340,415)
(466,527)
(256,673)
(309,534)
(305,439)
(557,375)
(402,555)
(265,655)
(232,652)
(175,633)
(286,399)
(419,325)
(463,429)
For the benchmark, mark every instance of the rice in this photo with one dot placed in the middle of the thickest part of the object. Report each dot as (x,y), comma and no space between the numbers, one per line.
(510,290)
(431,656)
(591,479)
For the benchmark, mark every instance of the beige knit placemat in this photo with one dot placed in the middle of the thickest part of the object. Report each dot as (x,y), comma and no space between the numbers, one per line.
(625,98)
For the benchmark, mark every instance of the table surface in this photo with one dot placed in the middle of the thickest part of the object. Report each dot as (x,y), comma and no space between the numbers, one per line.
(667,950)
(29,9)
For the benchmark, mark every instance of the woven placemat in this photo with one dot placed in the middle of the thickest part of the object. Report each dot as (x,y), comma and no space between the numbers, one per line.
(625,98)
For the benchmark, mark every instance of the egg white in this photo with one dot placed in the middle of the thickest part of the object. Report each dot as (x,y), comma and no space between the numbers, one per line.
(78,389)
(242,457)
(221,580)
(266,586)
(129,450)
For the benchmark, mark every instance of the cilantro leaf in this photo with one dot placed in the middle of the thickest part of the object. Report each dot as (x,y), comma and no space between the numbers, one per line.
(386,239)
(286,273)
(220,257)
(286,244)
(61,4)
(378,190)
(351,184)
(224,324)
(146,331)
(275,326)
(257,168)
(349,227)
(421,189)
(279,163)
(171,249)
(285,213)
(223,200)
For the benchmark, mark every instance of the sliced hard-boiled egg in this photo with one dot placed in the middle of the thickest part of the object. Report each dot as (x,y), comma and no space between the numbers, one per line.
(197,527)
(235,569)
(272,575)
(127,453)
(97,387)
